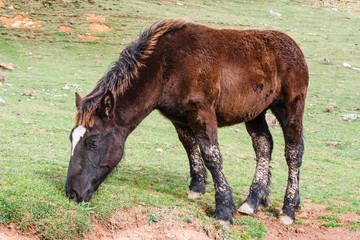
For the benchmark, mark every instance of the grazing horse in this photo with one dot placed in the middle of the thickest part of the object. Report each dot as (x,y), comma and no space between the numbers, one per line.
(200,78)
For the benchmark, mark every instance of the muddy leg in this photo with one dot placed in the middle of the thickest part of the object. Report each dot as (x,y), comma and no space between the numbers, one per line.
(291,123)
(197,168)
(204,126)
(263,145)
(293,155)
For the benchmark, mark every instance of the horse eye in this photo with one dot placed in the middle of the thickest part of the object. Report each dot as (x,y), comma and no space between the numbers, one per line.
(95,144)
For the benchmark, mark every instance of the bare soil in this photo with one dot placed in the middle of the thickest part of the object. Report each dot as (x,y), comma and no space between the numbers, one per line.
(99,27)
(88,37)
(64,28)
(134,224)
(93,16)
(20,21)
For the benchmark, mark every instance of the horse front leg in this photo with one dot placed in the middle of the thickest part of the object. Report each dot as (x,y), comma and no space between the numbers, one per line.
(204,126)
(263,145)
(197,168)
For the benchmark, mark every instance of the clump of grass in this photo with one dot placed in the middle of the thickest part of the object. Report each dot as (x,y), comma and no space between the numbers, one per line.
(152,218)
(255,229)
(330,220)
(302,222)
(355,226)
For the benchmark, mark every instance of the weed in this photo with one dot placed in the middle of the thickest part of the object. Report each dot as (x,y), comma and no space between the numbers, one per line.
(355,226)
(303,222)
(152,218)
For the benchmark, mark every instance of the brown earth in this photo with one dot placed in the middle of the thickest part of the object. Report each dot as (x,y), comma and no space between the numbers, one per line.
(2,4)
(93,16)
(88,38)
(21,22)
(64,28)
(133,224)
(99,27)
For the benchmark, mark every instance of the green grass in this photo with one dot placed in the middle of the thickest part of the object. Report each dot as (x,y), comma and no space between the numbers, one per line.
(34,145)
(253,228)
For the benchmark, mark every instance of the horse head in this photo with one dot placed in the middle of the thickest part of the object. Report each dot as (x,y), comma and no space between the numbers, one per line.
(96,149)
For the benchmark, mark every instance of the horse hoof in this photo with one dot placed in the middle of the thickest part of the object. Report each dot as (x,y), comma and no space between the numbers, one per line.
(246,209)
(225,224)
(286,220)
(194,195)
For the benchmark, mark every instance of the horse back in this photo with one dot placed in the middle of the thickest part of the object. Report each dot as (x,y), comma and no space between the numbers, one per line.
(236,73)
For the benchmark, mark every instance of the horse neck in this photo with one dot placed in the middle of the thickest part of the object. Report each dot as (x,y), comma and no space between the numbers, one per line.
(136,103)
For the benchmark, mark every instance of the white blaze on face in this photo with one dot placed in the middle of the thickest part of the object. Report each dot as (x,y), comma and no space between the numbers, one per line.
(76,135)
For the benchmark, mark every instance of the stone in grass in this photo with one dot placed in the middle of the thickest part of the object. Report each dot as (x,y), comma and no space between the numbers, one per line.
(350,116)
(2,77)
(2,101)
(7,66)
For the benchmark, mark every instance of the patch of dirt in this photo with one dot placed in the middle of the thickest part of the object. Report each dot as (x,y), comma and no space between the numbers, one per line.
(133,224)
(2,4)
(10,233)
(94,17)
(99,27)
(170,2)
(20,21)
(312,228)
(64,28)
(88,38)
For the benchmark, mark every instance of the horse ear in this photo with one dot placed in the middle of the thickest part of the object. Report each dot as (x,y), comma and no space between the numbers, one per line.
(107,105)
(78,99)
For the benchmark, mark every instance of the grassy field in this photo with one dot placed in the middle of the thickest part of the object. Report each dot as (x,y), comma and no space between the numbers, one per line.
(51,65)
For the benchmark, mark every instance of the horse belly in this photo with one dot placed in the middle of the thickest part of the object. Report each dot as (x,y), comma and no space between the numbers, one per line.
(245,93)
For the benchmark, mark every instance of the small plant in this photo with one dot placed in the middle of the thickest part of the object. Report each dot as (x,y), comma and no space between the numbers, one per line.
(152,218)
(187,220)
(355,226)
(299,221)
(330,220)
(331,217)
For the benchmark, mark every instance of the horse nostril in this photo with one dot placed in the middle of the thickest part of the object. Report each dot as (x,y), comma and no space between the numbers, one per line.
(72,194)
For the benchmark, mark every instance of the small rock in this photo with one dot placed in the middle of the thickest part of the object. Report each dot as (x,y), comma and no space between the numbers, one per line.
(98,57)
(346,65)
(350,116)
(2,77)
(271,120)
(7,66)
(31,92)
(159,150)
(2,101)
(300,230)
(335,144)
(66,87)
(275,14)
(329,109)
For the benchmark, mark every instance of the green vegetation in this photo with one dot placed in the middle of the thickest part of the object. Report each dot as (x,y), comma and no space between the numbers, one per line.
(51,65)
(254,229)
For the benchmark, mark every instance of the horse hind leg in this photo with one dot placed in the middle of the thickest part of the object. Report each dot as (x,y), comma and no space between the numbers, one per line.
(263,145)
(197,168)
(291,123)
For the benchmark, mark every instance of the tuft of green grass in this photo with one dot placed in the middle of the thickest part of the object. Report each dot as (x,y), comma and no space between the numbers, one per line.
(330,220)
(152,218)
(355,226)
(254,228)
